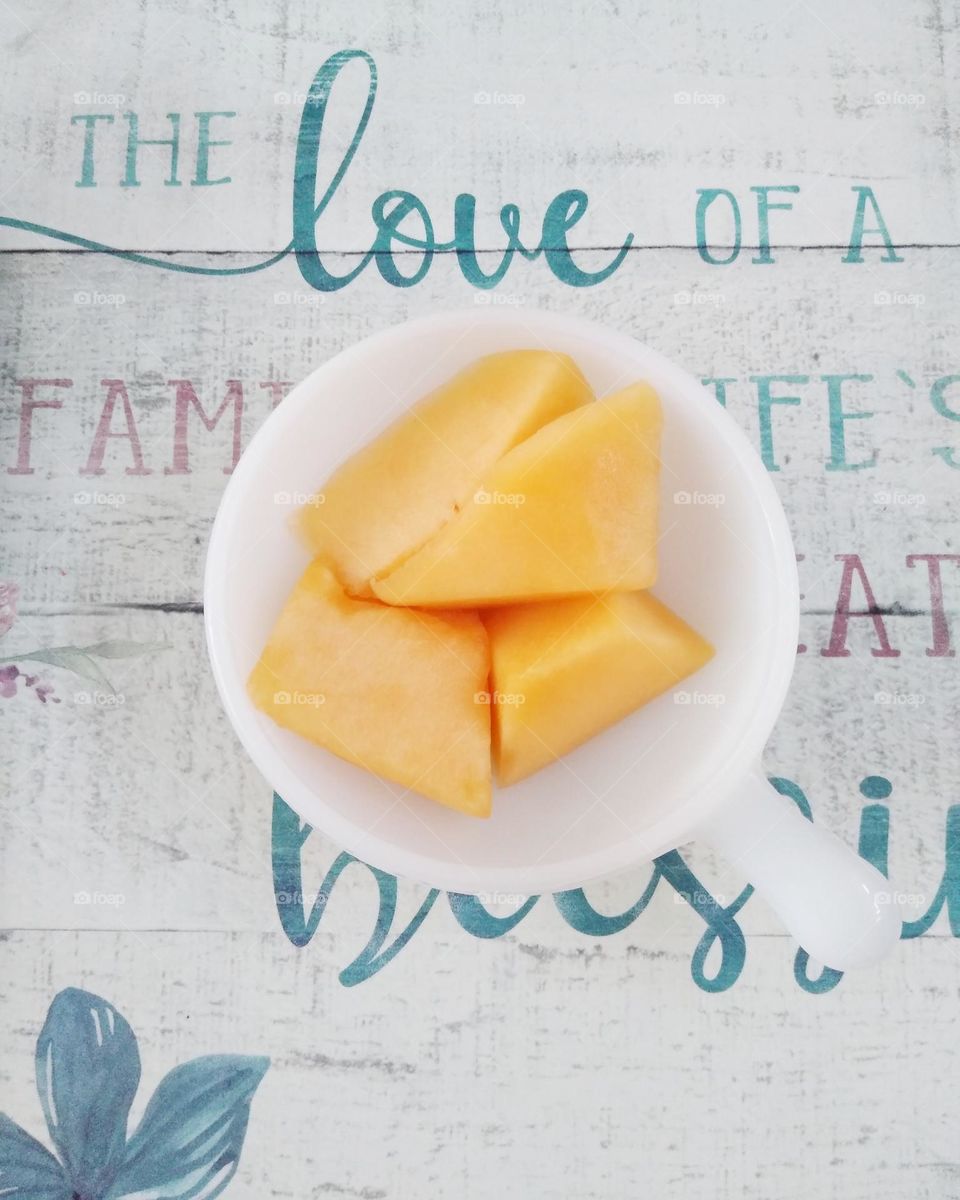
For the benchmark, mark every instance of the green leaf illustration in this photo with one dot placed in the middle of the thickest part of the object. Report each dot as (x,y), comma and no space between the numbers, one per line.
(81,660)
(122,649)
(71,658)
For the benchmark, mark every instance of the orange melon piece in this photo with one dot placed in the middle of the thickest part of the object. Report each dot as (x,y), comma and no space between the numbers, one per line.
(391,496)
(399,692)
(564,670)
(571,510)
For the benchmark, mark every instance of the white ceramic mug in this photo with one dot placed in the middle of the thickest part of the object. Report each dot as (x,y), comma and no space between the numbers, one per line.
(685,766)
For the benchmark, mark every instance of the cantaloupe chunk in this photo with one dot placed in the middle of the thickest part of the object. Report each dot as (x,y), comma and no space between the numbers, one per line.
(564,670)
(399,692)
(571,510)
(396,492)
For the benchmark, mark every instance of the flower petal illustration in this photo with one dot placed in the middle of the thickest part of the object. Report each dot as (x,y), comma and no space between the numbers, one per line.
(28,1171)
(188,1144)
(88,1069)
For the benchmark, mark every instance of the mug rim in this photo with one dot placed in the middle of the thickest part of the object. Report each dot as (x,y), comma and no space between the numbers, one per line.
(664,834)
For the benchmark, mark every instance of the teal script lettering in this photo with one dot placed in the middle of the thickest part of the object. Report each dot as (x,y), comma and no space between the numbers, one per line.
(392,212)
(717,960)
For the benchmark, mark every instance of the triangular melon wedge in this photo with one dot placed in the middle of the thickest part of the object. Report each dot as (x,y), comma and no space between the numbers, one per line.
(566,669)
(384,502)
(571,510)
(399,692)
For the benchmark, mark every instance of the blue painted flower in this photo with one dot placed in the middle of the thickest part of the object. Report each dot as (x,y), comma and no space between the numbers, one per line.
(186,1147)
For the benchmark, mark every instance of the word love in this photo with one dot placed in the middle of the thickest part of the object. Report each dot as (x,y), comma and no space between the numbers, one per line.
(718,958)
(405,241)
(392,210)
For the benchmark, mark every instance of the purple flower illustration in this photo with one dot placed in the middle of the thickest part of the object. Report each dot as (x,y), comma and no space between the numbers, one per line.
(8,681)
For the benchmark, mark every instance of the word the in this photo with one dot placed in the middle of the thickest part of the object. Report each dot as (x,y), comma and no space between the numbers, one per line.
(134,141)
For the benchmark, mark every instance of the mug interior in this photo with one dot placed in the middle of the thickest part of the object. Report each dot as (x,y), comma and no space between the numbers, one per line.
(726,566)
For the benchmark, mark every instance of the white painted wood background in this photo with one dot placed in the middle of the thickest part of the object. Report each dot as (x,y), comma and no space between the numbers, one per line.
(543,1064)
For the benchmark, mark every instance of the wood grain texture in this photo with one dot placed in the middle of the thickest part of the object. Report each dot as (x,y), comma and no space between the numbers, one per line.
(551,1071)
(545,1063)
(599,111)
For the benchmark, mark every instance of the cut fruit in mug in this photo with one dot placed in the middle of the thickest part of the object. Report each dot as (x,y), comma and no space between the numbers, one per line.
(571,510)
(568,695)
(484,560)
(400,489)
(394,690)
(563,670)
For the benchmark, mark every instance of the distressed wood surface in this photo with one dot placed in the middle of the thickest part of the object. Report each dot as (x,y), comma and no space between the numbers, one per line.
(547,1062)
(558,1073)
(821,96)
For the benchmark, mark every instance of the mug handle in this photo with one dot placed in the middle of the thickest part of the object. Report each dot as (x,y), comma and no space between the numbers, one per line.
(833,902)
